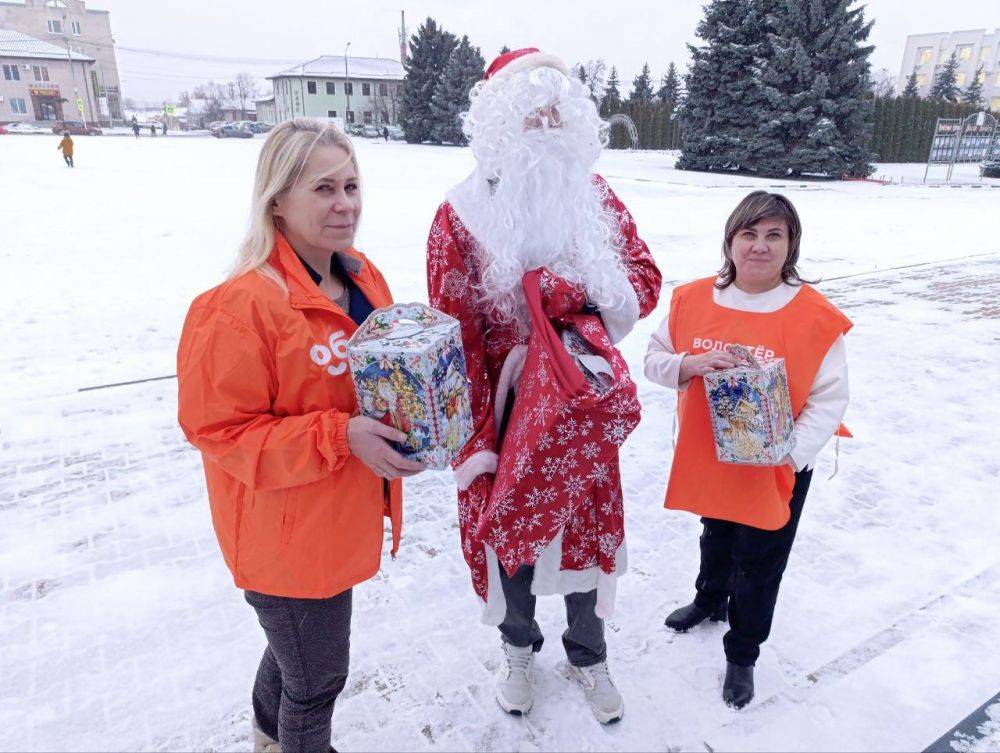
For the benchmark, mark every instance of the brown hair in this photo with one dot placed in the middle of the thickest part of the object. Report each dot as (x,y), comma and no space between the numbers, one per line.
(757,206)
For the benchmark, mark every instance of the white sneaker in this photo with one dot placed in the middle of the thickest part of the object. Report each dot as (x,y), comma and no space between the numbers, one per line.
(263,743)
(515,685)
(602,695)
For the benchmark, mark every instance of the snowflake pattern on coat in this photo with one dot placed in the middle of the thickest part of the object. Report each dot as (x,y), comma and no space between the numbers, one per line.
(571,461)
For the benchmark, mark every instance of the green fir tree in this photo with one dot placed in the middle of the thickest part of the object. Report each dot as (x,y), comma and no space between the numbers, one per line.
(816,116)
(912,89)
(945,87)
(451,96)
(430,49)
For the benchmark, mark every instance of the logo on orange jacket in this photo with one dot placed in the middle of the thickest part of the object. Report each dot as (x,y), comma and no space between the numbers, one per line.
(333,356)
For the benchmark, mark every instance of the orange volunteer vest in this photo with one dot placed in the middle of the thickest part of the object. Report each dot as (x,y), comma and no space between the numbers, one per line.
(801,332)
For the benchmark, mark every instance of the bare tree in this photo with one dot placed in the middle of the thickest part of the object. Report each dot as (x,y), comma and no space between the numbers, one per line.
(242,91)
(591,74)
(883,83)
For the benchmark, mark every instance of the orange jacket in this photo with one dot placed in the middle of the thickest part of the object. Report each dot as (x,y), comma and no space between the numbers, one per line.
(265,393)
(66,146)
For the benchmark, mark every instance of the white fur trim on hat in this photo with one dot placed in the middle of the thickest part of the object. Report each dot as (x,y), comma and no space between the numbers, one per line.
(529,62)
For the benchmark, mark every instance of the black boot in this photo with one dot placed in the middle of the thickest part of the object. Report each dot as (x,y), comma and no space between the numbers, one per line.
(685,618)
(737,690)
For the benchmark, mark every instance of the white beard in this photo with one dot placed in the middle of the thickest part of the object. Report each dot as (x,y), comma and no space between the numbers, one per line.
(532,203)
(549,214)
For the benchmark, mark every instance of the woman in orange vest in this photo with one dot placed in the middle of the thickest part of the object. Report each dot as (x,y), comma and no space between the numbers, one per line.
(298,483)
(749,513)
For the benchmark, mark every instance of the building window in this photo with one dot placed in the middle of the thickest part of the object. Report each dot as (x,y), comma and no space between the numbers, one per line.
(963,52)
(981,76)
(960,79)
(921,80)
(366,90)
(368,117)
(18,106)
(924,55)
(348,88)
(77,31)
(331,113)
(311,87)
(55,27)
(41,72)
(331,88)
(399,89)
(11,73)
(383,90)
(985,53)
(996,104)
(350,116)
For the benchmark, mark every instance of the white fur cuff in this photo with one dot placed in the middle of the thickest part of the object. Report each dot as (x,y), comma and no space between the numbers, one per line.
(476,465)
(620,321)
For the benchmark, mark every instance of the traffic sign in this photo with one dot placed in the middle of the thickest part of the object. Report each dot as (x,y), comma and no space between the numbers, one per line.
(79,104)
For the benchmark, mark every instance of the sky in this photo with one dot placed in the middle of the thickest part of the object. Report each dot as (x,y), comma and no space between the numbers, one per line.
(626,33)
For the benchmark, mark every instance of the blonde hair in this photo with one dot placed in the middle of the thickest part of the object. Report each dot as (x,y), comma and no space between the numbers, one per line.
(279,166)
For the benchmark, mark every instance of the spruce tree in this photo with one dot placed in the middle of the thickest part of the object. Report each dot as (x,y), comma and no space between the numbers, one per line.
(503,50)
(612,101)
(451,96)
(670,87)
(912,89)
(642,87)
(973,94)
(817,114)
(430,49)
(945,86)
(723,94)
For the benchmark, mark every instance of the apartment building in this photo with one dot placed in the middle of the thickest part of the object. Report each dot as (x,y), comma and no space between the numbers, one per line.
(40,81)
(925,54)
(85,31)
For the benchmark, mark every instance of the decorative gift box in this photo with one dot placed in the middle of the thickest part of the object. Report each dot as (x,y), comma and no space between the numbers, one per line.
(409,372)
(751,410)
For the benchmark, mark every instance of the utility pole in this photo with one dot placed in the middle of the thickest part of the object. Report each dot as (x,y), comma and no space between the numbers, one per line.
(347,87)
(72,71)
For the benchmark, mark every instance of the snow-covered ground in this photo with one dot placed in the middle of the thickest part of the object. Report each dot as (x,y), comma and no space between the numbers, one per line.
(120,628)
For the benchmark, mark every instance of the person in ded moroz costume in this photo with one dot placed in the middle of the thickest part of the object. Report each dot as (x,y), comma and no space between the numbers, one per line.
(530,244)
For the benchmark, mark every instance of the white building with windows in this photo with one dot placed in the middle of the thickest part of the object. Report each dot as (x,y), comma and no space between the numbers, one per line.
(39,82)
(84,31)
(348,89)
(926,54)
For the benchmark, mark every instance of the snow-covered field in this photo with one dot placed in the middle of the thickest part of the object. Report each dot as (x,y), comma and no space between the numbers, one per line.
(120,628)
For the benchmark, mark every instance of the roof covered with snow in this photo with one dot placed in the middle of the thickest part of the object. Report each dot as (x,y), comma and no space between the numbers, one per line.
(14,44)
(332,66)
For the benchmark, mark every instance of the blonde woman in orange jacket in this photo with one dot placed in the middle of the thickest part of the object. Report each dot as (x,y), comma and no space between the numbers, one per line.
(298,483)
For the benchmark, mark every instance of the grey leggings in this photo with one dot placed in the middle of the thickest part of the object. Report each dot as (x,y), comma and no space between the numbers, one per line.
(304,667)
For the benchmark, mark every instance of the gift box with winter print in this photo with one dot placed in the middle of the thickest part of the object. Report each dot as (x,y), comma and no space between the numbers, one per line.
(409,372)
(751,410)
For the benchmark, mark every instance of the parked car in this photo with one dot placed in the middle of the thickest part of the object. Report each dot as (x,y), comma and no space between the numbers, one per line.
(26,128)
(232,131)
(214,127)
(371,131)
(76,128)
(396,133)
(260,127)
(991,168)
(3,130)
(355,129)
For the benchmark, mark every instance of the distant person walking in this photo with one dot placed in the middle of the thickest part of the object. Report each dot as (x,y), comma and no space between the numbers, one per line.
(135,126)
(152,129)
(385,133)
(164,128)
(66,145)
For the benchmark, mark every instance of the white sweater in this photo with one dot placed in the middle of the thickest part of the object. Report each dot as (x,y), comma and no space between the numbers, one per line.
(828,398)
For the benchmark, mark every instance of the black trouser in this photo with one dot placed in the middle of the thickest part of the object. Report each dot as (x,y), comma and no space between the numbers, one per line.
(584,635)
(746,564)
(304,667)
(68,159)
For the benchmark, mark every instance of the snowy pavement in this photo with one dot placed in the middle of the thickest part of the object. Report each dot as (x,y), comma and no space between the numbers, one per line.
(120,628)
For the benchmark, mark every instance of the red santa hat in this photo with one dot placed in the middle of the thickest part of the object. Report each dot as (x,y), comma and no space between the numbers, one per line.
(525,59)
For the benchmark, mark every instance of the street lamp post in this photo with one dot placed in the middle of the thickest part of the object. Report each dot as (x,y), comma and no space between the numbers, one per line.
(347,86)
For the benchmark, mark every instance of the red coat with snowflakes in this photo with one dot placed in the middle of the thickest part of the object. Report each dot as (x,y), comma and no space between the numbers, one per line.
(452,279)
